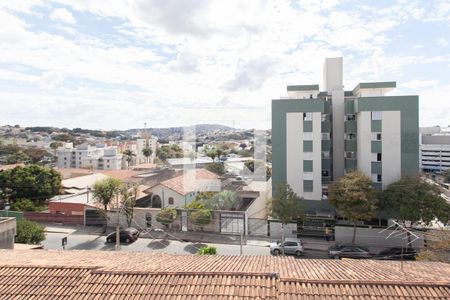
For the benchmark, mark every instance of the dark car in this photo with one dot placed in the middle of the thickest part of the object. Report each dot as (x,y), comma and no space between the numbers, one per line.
(348,251)
(397,253)
(128,235)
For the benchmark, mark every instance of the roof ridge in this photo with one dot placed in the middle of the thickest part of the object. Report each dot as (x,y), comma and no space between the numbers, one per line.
(198,273)
(33,266)
(366,282)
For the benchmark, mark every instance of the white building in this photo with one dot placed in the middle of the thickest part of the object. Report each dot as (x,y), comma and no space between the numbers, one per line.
(434,149)
(85,156)
(141,144)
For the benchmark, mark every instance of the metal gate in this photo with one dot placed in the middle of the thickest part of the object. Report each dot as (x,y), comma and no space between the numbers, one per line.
(93,217)
(232,223)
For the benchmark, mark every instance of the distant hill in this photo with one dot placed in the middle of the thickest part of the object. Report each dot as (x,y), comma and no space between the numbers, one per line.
(200,129)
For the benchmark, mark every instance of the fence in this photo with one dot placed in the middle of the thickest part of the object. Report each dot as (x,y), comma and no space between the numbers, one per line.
(53,218)
(10,214)
(258,227)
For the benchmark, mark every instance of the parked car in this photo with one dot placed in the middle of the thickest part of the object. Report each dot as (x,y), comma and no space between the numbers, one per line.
(348,251)
(291,246)
(397,253)
(128,235)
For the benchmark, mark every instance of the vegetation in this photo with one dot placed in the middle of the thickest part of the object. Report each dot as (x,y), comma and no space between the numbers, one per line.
(285,206)
(147,152)
(26,205)
(354,198)
(208,250)
(216,167)
(447,175)
(413,199)
(29,232)
(169,151)
(30,182)
(104,192)
(225,200)
(129,196)
(128,154)
(438,246)
(200,217)
(166,216)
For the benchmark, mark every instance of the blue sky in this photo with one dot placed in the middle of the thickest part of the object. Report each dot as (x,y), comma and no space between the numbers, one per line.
(117,64)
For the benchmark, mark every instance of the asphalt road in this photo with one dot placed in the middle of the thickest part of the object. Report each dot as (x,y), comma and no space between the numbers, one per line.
(76,241)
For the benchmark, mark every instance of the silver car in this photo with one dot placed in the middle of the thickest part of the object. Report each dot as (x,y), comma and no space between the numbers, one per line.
(291,246)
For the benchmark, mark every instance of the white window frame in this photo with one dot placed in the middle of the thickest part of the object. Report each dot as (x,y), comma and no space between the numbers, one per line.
(376,115)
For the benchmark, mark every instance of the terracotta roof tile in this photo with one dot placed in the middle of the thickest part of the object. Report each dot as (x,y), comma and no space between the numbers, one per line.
(187,183)
(36,274)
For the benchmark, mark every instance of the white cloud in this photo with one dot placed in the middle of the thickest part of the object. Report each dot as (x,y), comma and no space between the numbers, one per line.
(442,42)
(62,15)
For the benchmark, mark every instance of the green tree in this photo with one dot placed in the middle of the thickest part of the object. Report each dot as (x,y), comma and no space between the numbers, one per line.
(147,152)
(446,175)
(25,205)
(28,232)
(128,156)
(129,196)
(413,199)
(208,250)
(216,167)
(167,216)
(31,182)
(354,198)
(104,191)
(18,157)
(250,164)
(200,217)
(285,206)
(55,145)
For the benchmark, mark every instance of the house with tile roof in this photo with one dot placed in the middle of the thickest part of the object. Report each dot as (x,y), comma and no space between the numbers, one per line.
(50,274)
(180,190)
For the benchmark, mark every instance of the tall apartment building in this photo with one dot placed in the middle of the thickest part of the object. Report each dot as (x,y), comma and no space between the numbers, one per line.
(318,136)
(435,149)
(85,156)
(141,144)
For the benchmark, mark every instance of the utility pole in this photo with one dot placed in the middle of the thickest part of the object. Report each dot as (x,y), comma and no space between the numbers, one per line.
(242,237)
(118,224)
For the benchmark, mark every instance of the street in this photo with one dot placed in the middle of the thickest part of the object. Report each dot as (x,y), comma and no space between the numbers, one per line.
(84,241)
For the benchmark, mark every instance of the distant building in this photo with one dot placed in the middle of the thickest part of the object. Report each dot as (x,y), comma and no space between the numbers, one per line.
(319,136)
(435,149)
(85,156)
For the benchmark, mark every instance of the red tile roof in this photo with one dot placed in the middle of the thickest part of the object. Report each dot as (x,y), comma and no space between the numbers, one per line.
(187,183)
(44,274)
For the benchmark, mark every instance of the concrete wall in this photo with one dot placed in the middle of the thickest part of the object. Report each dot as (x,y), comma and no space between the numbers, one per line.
(7,232)
(290,230)
(338,109)
(373,238)
(53,218)
(391,147)
(294,151)
(364,139)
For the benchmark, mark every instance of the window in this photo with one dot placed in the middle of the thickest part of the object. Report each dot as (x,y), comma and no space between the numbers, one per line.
(376,115)
(148,220)
(378,156)
(350,154)
(307,185)
(325,154)
(376,136)
(325,135)
(349,136)
(325,173)
(307,116)
(170,200)
(350,117)
(376,177)
(307,166)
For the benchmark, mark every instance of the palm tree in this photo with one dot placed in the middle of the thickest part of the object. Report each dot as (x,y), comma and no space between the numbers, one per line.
(128,156)
(147,152)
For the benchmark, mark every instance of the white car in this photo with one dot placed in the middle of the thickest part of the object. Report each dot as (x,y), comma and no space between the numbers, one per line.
(291,246)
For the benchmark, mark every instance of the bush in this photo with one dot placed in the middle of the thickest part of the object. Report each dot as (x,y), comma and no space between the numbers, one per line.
(200,217)
(25,205)
(216,167)
(209,250)
(29,232)
(166,216)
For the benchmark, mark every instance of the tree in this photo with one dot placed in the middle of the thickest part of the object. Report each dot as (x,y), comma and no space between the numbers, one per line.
(104,192)
(413,199)
(250,164)
(167,216)
(29,232)
(285,206)
(147,152)
(128,156)
(216,167)
(25,205)
(438,246)
(129,196)
(225,200)
(446,175)
(200,217)
(18,157)
(354,198)
(55,145)
(31,182)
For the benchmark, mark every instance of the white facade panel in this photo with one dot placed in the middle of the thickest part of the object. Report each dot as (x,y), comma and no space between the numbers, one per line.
(294,151)
(364,146)
(391,147)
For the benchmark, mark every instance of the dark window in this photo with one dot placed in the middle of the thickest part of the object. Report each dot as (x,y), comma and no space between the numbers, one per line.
(379,177)
(378,156)
(171,200)
(325,173)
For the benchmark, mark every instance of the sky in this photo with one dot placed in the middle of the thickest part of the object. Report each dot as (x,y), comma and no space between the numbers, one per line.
(118,64)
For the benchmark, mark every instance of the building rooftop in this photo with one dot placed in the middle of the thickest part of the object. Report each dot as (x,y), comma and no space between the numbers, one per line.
(47,274)
(187,183)
(305,87)
(83,182)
